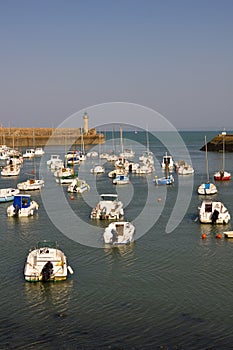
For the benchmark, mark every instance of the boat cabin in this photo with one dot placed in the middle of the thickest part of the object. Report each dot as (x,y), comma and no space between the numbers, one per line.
(22,201)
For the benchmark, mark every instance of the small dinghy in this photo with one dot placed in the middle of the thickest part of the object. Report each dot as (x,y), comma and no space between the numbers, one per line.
(46,263)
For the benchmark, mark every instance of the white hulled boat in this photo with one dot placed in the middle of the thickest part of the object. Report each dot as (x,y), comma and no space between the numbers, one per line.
(46,263)
(39,151)
(108,208)
(22,206)
(121,180)
(211,212)
(11,170)
(7,194)
(30,185)
(120,232)
(78,186)
(222,175)
(167,161)
(98,169)
(207,188)
(29,153)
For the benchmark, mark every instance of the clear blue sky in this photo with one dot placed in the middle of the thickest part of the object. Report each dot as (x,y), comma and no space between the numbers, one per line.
(60,56)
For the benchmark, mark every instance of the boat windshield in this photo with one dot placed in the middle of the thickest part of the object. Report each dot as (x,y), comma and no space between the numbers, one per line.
(109,197)
(47,244)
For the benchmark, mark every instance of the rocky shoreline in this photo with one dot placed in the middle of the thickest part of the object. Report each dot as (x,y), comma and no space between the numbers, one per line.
(216,144)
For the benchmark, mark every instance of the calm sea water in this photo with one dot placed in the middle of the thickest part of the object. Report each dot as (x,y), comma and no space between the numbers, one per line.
(167,291)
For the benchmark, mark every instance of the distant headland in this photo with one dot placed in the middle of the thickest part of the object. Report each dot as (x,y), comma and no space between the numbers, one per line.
(219,142)
(39,137)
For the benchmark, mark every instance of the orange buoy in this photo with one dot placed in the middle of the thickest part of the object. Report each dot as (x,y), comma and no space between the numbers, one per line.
(219,236)
(72,198)
(159,199)
(203,236)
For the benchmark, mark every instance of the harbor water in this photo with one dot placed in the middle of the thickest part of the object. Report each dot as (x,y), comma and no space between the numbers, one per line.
(168,290)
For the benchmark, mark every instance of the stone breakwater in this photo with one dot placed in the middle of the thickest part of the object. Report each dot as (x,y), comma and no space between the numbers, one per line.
(39,137)
(216,144)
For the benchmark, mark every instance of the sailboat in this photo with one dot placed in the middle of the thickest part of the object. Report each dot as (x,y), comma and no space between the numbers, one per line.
(207,187)
(32,184)
(222,175)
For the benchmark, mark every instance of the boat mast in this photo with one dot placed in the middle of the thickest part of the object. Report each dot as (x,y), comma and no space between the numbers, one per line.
(223,152)
(207,163)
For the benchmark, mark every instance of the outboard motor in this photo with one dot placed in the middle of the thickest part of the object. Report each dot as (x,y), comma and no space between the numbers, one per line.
(215,216)
(16,210)
(47,271)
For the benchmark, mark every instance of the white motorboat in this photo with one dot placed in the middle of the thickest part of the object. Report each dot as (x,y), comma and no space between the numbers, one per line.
(116,172)
(207,188)
(68,179)
(39,151)
(54,159)
(108,208)
(167,161)
(165,180)
(11,170)
(78,186)
(147,156)
(30,185)
(46,263)
(92,154)
(228,234)
(121,180)
(211,212)
(7,194)
(132,167)
(63,172)
(120,232)
(104,155)
(98,169)
(112,158)
(186,169)
(29,153)
(145,169)
(22,206)
(127,153)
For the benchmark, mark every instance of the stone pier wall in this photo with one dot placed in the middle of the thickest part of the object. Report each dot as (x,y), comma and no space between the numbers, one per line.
(39,137)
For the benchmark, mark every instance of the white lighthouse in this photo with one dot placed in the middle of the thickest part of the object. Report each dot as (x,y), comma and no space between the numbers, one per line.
(85,124)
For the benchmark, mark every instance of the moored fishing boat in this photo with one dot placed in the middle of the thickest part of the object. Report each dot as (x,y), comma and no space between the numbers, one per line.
(22,206)
(121,180)
(11,170)
(98,169)
(29,153)
(7,194)
(165,180)
(213,212)
(167,161)
(78,186)
(30,185)
(46,263)
(120,232)
(108,208)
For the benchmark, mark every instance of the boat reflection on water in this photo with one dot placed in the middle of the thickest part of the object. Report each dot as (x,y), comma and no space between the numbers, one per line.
(123,250)
(40,295)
